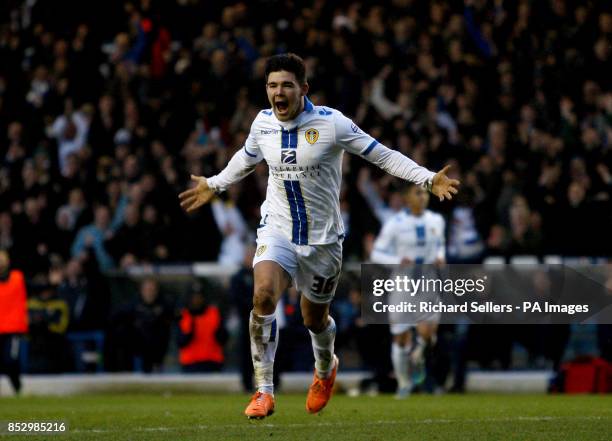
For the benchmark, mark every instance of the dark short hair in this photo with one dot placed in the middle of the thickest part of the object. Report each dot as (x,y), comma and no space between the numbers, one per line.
(288,62)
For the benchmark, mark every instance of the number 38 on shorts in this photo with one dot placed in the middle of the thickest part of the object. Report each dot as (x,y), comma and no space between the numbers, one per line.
(322,285)
(314,269)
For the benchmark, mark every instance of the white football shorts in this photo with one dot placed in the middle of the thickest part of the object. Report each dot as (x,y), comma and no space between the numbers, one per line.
(314,269)
(400,328)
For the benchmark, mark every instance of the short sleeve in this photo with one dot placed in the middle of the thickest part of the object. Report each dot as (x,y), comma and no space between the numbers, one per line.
(350,137)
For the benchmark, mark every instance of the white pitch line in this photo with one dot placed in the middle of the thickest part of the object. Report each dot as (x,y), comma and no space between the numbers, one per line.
(258,425)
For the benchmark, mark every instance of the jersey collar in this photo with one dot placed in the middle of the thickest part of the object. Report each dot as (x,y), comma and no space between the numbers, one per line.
(308,106)
(410,213)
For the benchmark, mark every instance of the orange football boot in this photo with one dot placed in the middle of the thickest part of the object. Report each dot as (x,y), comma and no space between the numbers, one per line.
(261,406)
(320,390)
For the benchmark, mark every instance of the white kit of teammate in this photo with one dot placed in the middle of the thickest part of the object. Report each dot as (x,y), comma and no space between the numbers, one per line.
(415,238)
(418,238)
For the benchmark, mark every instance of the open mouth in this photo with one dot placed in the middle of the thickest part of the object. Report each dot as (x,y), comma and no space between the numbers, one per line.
(281,105)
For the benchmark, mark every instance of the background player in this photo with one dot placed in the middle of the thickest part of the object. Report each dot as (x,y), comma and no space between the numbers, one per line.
(412,236)
(301,230)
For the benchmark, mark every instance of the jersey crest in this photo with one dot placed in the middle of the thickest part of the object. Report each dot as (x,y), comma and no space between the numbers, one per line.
(312,135)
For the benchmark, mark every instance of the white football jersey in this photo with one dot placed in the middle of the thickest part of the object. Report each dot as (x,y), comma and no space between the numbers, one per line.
(304,157)
(418,238)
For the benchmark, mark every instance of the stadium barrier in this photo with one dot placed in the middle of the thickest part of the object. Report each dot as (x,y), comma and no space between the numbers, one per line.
(175,281)
(74,384)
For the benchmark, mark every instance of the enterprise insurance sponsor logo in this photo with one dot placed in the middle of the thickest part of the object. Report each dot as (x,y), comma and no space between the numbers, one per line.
(295,172)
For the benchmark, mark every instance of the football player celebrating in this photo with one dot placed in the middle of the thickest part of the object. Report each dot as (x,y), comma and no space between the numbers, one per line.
(301,231)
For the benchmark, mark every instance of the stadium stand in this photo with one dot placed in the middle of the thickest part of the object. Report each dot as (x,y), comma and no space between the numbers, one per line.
(106,108)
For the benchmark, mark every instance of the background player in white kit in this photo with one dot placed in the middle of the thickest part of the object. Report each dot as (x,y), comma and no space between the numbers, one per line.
(301,233)
(412,236)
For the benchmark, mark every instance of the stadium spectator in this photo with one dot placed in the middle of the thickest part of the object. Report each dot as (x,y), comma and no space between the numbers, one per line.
(152,320)
(127,244)
(201,334)
(350,323)
(232,225)
(73,288)
(93,236)
(377,205)
(49,317)
(70,130)
(241,287)
(13,319)
(97,111)
(454,84)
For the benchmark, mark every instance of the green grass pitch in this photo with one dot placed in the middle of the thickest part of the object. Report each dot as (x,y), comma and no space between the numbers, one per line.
(219,417)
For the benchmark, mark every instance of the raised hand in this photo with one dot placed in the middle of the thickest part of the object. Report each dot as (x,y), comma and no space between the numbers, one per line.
(197,196)
(443,186)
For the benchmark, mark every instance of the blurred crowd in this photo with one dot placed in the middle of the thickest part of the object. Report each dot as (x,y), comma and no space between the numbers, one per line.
(106,108)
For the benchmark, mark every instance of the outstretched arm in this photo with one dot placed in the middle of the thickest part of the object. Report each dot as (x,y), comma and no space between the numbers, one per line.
(197,196)
(393,162)
(353,139)
(242,163)
(238,168)
(444,187)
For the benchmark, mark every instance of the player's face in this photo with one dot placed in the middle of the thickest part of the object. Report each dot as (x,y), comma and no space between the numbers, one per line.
(417,199)
(285,94)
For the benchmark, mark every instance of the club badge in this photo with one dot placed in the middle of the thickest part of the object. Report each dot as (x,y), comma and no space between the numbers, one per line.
(311,135)
(261,250)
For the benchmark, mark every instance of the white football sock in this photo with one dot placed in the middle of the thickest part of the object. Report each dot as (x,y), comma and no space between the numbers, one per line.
(417,354)
(323,348)
(420,341)
(264,340)
(400,356)
(433,340)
